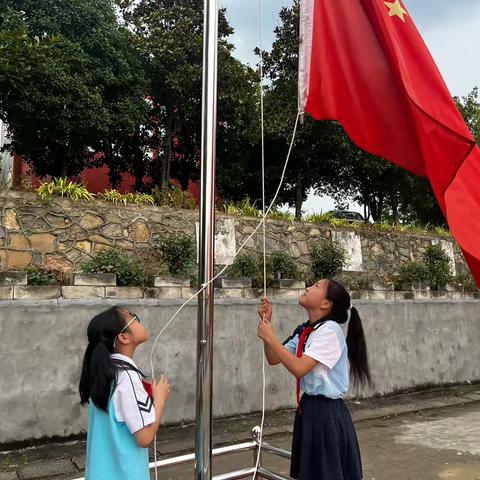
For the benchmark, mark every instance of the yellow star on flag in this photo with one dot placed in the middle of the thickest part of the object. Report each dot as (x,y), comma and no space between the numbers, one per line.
(396,9)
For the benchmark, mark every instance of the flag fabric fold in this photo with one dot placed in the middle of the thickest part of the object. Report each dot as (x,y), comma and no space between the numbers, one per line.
(364,64)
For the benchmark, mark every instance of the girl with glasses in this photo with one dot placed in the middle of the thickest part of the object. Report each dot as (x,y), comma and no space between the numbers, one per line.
(124,410)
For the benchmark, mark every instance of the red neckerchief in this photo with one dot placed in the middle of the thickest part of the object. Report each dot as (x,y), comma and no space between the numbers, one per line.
(302,340)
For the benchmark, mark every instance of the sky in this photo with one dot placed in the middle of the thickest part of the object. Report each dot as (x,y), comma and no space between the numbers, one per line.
(451,29)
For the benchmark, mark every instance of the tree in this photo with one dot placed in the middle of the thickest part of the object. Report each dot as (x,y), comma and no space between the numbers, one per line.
(469,107)
(86,92)
(171,38)
(315,155)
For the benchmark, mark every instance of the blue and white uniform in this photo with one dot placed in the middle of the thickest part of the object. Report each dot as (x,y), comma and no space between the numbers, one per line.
(326,344)
(112,452)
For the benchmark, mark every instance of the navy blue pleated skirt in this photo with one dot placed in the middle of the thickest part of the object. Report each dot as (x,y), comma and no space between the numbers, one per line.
(325,445)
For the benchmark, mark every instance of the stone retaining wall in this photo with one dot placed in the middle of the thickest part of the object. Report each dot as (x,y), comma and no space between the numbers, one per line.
(60,234)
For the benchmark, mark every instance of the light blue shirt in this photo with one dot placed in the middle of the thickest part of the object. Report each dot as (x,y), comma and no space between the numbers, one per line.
(112,451)
(327,345)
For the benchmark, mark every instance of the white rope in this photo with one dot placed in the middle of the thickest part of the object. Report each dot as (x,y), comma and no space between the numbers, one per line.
(262,134)
(222,271)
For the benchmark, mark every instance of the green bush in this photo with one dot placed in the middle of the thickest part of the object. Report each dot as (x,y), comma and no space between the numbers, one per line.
(129,270)
(37,276)
(246,265)
(328,259)
(64,188)
(438,265)
(177,252)
(173,196)
(464,281)
(282,265)
(414,272)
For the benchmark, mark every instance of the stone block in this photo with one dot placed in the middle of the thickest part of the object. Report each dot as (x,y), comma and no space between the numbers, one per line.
(10,220)
(76,292)
(91,221)
(188,292)
(163,292)
(43,242)
(59,263)
(172,281)
(8,476)
(95,279)
(230,282)
(139,232)
(233,293)
(359,295)
(286,294)
(18,241)
(10,279)
(46,468)
(288,284)
(36,293)
(124,292)
(421,294)
(18,259)
(6,293)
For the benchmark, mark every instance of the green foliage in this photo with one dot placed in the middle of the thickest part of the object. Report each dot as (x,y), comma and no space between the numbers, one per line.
(81,87)
(37,276)
(127,198)
(177,252)
(464,281)
(414,272)
(439,267)
(129,270)
(469,107)
(173,196)
(276,214)
(246,265)
(244,207)
(282,265)
(328,259)
(64,188)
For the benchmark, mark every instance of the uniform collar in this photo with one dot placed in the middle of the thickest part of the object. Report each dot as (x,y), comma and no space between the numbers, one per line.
(123,358)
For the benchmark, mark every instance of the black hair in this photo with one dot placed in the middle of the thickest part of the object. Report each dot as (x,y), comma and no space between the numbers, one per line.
(98,370)
(357,346)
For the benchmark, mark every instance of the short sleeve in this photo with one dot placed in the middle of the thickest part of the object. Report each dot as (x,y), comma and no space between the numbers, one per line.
(133,405)
(324,347)
(292,344)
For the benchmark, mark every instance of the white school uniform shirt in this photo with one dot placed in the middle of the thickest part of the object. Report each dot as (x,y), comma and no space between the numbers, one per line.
(131,402)
(327,345)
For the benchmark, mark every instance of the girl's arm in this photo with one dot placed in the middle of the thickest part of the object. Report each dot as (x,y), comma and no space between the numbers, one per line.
(298,367)
(272,357)
(161,391)
(265,313)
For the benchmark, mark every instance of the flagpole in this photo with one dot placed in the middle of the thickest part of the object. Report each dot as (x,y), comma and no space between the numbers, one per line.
(203,434)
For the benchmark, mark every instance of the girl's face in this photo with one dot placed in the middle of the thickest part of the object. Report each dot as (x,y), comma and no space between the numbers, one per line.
(136,332)
(315,297)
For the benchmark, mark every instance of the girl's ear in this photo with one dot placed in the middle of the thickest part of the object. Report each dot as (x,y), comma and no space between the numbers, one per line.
(327,304)
(123,339)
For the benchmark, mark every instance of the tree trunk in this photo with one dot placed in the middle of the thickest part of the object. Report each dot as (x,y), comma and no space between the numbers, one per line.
(168,150)
(394,203)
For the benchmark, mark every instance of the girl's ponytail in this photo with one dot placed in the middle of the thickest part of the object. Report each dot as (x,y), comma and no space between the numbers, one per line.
(357,351)
(102,375)
(341,312)
(98,371)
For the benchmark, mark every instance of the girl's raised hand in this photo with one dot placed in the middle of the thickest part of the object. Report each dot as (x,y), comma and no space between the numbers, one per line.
(265,310)
(161,389)
(265,331)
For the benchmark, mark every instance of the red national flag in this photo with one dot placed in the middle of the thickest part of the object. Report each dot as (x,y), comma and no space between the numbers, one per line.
(364,64)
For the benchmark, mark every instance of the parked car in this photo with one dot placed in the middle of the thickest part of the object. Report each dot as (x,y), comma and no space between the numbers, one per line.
(352,217)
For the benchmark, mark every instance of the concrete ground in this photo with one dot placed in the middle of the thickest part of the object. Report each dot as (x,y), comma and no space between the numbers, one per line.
(432,435)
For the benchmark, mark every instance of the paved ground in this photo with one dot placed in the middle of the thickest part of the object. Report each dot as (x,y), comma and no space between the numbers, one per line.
(433,435)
